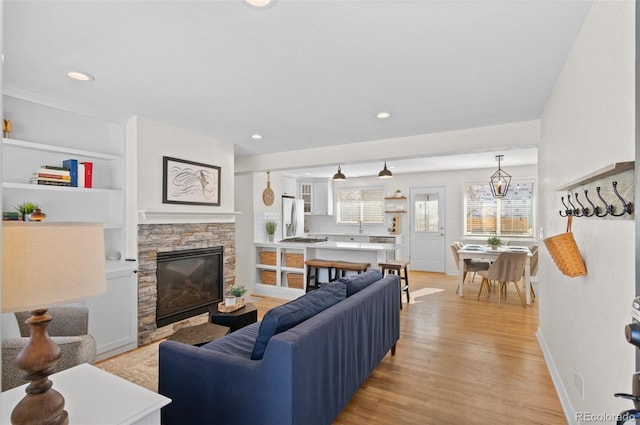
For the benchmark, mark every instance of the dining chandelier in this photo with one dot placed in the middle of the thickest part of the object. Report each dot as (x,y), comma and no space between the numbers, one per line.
(500,181)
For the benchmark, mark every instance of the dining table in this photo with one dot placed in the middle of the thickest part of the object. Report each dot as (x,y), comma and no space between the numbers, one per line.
(486,252)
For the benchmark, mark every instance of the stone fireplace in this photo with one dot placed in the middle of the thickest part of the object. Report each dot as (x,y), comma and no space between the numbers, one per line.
(155,239)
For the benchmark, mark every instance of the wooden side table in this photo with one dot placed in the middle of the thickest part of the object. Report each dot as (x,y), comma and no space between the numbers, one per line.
(236,319)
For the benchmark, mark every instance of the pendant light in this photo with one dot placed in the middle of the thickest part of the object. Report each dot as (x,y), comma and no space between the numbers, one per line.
(339,176)
(500,181)
(385,173)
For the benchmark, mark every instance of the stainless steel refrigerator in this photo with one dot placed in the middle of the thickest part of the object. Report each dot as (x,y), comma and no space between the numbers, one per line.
(292,217)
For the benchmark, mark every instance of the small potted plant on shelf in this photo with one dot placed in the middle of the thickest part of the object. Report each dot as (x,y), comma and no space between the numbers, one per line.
(494,242)
(271,229)
(26,208)
(398,193)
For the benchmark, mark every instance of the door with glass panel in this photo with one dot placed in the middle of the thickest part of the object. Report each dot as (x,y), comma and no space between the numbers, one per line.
(427,226)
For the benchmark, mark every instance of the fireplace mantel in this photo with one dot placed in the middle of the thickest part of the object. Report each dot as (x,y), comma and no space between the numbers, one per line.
(176,216)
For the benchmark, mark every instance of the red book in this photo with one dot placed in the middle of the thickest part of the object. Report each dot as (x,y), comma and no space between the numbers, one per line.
(88,173)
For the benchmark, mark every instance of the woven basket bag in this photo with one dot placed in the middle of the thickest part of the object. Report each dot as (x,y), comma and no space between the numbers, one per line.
(565,252)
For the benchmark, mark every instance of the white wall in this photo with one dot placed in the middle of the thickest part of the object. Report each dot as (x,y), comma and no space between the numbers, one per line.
(155,140)
(587,124)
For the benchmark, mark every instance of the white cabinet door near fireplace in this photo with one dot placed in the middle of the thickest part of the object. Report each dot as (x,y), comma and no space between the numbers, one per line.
(113,317)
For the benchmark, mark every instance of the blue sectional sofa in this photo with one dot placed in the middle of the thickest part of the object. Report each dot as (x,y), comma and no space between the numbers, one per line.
(323,347)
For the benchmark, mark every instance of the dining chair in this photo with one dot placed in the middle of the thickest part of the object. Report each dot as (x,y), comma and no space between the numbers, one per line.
(533,267)
(469,265)
(508,267)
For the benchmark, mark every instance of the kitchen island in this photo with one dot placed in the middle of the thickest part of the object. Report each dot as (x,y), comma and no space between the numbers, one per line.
(280,270)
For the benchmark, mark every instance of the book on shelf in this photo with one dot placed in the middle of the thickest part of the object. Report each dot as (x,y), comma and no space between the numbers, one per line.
(50,182)
(11,215)
(72,165)
(85,174)
(52,176)
(54,167)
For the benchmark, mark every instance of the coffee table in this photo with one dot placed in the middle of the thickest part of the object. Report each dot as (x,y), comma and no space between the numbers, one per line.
(236,319)
(200,334)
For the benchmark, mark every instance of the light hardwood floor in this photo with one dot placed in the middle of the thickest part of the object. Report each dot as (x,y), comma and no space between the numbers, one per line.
(460,361)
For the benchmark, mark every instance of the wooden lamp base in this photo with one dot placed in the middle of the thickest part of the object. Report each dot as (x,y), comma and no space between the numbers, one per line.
(41,405)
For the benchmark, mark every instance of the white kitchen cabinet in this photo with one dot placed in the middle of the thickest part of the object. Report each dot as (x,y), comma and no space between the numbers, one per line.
(317,197)
(352,238)
(113,316)
(289,186)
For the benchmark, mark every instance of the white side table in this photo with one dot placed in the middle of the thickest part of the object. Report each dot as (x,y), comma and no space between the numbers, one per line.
(95,397)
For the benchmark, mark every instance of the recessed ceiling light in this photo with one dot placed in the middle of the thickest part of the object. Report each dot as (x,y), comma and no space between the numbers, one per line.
(80,76)
(383,115)
(260,4)
(256,136)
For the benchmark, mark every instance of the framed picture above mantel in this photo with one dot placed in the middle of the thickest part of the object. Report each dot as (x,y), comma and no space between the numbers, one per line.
(188,182)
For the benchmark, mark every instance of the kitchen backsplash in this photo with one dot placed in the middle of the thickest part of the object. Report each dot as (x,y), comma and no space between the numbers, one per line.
(327,224)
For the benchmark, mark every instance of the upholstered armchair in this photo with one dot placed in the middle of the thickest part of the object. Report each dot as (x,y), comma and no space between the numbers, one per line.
(69,329)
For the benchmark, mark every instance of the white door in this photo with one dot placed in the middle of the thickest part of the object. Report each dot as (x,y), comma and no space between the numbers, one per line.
(427,229)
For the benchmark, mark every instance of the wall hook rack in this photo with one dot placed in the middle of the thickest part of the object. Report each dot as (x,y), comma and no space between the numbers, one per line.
(608,209)
(567,210)
(627,207)
(594,208)
(584,210)
(575,211)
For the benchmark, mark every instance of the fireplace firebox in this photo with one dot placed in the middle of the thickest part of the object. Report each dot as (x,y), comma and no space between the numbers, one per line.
(188,283)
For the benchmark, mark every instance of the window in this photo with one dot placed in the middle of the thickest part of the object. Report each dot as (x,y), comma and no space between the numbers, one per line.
(426,212)
(364,204)
(515,211)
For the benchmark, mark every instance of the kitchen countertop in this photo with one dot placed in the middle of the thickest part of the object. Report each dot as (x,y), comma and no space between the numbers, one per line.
(357,246)
(376,235)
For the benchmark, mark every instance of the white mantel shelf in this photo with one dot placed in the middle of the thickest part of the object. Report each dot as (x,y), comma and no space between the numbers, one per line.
(173,216)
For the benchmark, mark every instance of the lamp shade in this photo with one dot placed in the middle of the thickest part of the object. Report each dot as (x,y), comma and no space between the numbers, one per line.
(45,264)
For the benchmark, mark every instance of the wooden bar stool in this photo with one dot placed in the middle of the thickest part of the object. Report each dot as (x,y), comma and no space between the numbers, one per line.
(397,267)
(316,265)
(341,267)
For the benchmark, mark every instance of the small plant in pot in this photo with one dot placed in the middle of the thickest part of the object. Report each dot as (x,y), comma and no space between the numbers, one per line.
(494,242)
(398,193)
(26,208)
(271,229)
(233,295)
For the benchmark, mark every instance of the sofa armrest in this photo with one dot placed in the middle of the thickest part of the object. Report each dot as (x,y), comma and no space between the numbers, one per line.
(206,386)
(74,351)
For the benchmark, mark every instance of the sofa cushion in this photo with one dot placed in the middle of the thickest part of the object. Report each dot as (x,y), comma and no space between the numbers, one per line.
(239,343)
(357,282)
(286,316)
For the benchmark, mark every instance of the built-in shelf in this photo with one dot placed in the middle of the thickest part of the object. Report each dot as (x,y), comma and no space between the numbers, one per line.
(395,197)
(158,216)
(609,170)
(59,149)
(30,186)
(395,211)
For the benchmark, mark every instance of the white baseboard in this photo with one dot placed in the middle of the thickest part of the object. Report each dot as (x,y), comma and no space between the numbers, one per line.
(565,401)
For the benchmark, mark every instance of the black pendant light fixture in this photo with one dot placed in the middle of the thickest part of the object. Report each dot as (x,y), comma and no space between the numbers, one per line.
(339,176)
(500,181)
(385,173)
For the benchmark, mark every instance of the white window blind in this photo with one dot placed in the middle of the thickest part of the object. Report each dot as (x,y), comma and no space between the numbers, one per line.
(512,215)
(365,205)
